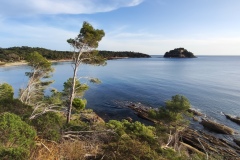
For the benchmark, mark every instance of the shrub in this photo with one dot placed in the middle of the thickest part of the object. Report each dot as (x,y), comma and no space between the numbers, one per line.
(18,153)
(16,137)
(48,126)
(6,91)
(17,107)
(134,130)
(130,149)
(79,104)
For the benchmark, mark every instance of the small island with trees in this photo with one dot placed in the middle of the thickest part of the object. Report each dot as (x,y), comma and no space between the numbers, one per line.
(179,53)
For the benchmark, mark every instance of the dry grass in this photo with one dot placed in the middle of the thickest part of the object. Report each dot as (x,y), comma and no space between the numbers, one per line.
(69,150)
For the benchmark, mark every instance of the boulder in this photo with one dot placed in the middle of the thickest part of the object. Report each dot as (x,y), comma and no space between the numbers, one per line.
(195,112)
(233,118)
(216,127)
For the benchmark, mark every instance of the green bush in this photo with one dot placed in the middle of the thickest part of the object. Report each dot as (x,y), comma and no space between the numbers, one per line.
(48,126)
(16,137)
(18,153)
(76,125)
(130,149)
(135,130)
(17,107)
(6,91)
(79,104)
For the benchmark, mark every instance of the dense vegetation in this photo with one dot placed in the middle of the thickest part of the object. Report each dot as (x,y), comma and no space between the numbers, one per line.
(14,54)
(49,136)
(179,53)
(119,54)
(35,126)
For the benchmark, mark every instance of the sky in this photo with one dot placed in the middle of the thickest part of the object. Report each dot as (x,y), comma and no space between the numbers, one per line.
(204,27)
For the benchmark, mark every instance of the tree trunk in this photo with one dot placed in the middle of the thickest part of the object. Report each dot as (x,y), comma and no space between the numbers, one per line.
(72,92)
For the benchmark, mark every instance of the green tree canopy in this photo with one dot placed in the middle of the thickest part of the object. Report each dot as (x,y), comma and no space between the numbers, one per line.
(79,88)
(88,38)
(6,91)
(83,45)
(173,111)
(40,69)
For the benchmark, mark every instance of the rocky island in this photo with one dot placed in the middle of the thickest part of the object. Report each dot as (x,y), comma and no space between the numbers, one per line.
(179,53)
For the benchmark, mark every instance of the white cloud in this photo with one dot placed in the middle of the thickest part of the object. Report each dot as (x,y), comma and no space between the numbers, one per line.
(158,44)
(26,7)
(34,36)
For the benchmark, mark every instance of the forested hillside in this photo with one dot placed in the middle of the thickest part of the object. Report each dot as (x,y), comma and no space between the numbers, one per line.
(14,54)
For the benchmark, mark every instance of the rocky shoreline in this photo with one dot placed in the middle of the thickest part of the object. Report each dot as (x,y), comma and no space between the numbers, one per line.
(200,141)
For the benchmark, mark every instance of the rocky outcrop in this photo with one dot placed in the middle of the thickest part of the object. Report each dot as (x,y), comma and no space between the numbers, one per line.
(199,141)
(141,111)
(195,112)
(91,117)
(209,144)
(237,141)
(233,118)
(216,127)
(179,53)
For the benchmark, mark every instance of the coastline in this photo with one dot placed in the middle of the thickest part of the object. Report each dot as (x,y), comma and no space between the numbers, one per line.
(20,63)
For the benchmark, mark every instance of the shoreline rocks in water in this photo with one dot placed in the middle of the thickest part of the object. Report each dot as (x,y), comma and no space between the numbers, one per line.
(233,118)
(209,144)
(199,141)
(141,111)
(195,112)
(216,127)
(237,141)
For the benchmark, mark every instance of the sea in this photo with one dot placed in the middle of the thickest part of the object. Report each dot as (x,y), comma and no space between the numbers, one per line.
(211,84)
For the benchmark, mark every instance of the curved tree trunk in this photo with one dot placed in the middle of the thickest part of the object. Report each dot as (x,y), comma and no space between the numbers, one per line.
(72,91)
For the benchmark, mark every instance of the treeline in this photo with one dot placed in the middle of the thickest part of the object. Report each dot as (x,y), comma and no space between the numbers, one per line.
(14,54)
(120,54)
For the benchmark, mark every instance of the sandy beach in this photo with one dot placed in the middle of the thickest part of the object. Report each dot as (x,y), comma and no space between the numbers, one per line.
(14,64)
(20,63)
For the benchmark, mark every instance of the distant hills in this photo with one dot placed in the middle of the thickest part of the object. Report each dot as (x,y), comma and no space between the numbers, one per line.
(14,54)
(179,53)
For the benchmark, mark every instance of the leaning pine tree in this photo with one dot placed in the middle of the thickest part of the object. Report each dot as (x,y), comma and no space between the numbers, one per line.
(84,46)
(40,70)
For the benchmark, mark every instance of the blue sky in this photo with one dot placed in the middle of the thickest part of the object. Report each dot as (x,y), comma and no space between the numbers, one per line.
(204,27)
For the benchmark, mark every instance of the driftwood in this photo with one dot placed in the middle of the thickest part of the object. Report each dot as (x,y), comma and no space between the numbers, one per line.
(233,118)
(217,127)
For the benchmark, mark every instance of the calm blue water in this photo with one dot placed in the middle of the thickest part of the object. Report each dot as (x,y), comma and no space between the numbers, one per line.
(211,83)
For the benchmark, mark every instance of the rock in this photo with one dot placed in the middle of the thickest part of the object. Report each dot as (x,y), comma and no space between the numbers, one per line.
(91,117)
(179,53)
(233,118)
(196,119)
(237,141)
(141,111)
(129,119)
(195,112)
(216,127)
(207,143)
